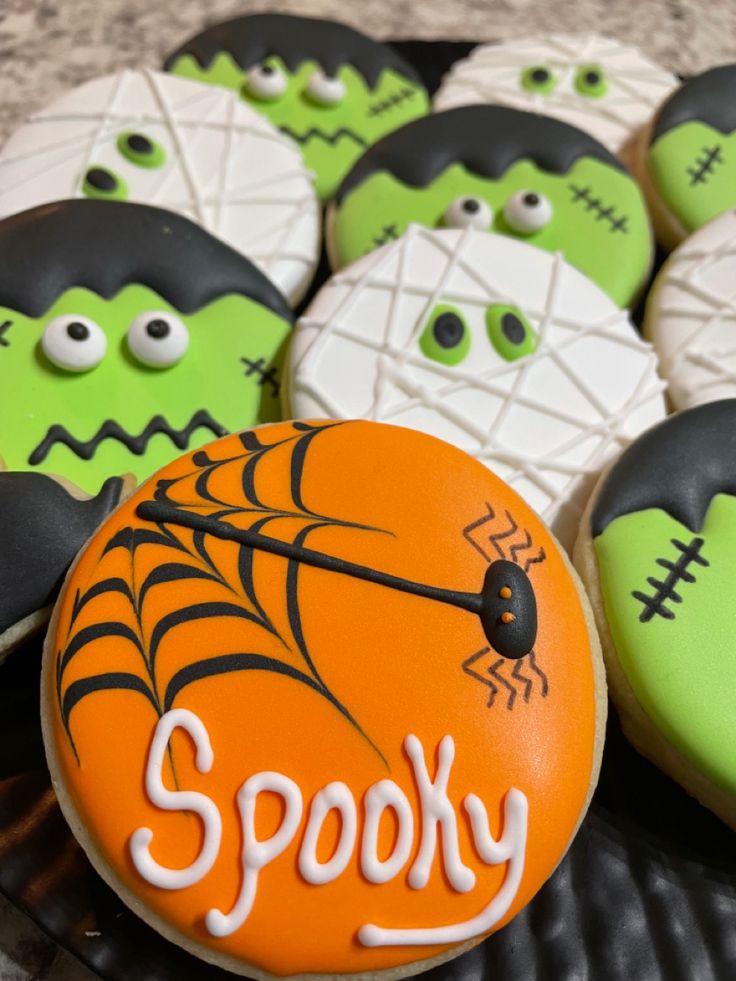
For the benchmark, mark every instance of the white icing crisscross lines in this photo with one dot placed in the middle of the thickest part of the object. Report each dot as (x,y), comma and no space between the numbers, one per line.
(692,315)
(225,166)
(635,86)
(547,423)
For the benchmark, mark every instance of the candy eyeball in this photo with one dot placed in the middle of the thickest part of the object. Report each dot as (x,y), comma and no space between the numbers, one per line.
(510,332)
(527,211)
(74,343)
(265,82)
(590,81)
(538,78)
(446,336)
(141,150)
(324,89)
(158,339)
(468,212)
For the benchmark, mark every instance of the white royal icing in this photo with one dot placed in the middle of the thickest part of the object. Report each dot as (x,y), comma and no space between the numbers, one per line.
(635,85)
(691,315)
(226,166)
(382,795)
(547,423)
(335,796)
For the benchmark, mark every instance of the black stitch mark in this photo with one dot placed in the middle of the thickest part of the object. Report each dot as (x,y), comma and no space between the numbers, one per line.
(676,572)
(4,328)
(402,95)
(331,138)
(264,377)
(617,223)
(705,165)
(390,234)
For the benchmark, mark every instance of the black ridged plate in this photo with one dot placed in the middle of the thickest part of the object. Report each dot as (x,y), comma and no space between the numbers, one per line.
(647,891)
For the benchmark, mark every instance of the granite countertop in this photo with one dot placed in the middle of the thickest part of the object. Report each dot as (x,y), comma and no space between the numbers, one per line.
(47,46)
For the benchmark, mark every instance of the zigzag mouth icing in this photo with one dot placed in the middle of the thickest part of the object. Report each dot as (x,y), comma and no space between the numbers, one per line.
(315,133)
(136,445)
(391,102)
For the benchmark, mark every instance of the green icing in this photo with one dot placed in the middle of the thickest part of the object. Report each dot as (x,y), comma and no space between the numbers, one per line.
(331,138)
(693,169)
(538,78)
(446,338)
(599,219)
(590,81)
(119,192)
(681,669)
(212,376)
(151,160)
(510,332)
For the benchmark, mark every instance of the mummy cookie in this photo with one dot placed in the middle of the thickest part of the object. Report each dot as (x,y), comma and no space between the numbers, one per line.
(688,162)
(200,151)
(327,86)
(220,690)
(487,342)
(127,334)
(536,179)
(44,522)
(691,315)
(656,555)
(609,89)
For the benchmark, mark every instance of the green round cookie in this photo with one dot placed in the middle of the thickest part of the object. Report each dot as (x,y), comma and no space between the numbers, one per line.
(691,159)
(329,87)
(503,170)
(128,334)
(663,535)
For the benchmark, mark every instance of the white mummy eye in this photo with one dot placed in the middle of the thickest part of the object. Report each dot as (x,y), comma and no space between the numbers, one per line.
(469,212)
(158,339)
(325,90)
(527,212)
(266,82)
(74,343)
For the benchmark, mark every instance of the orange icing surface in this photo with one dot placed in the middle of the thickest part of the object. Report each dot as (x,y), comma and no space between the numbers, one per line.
(393,660)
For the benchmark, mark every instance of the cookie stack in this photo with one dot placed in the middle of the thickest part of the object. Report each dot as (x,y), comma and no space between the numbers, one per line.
(307,689)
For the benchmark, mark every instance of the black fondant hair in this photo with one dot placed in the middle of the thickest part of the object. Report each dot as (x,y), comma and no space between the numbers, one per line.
(106,245)
(486,139)
(679,466)
(294,39)
(709,98)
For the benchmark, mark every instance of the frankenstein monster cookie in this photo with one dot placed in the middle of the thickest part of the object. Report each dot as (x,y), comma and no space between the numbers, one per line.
(200,151)
(329,87)
(128,334)
(691,315)
(498,169)
(220,691)
(656,554)
(596,83)
(496,346)
(688,162)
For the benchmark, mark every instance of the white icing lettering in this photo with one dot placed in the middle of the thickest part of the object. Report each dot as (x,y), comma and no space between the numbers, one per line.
(335,796)
(178,800)
(381,795)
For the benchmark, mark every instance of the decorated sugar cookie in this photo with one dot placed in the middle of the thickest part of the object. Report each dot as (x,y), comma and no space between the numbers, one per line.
(536,179)
(656,554)
(127,334)
(496,346)
(324,672)
(148,137)
(691,315)
(596,83)
(327,86)
(688,162)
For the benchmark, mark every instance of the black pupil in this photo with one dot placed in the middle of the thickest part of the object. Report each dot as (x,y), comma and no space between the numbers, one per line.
(471,206)
(157,329)
(77,331)
(531,199)
(513,328)
(448,330)
(140,144)
(540,75)
(592,78)
(268,70)
(101,179)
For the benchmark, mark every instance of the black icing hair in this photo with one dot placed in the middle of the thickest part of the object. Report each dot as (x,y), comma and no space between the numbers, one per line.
(106,245)
(679,466)
(254,37)
(486,139)
(709,98)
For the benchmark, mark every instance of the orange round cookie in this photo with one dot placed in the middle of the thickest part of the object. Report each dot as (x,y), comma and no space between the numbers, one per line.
(323,698)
